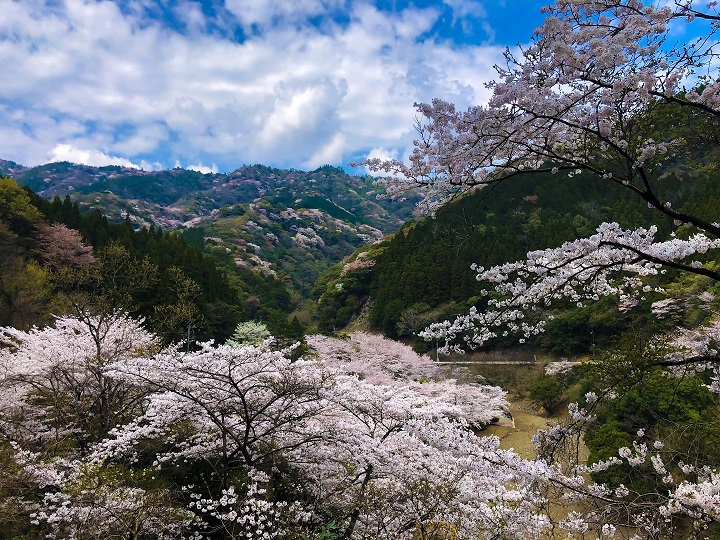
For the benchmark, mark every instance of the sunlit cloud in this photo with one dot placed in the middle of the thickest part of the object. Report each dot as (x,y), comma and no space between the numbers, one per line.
(383,154)
(290,84)
(203,169)
(66,152)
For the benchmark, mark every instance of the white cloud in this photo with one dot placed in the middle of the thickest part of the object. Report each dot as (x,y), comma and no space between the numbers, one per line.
(191,15)
(266,12)
(203,169)
(81,74)
(66,152)
(154,166)
(384,154)
(466,8)
(330,153)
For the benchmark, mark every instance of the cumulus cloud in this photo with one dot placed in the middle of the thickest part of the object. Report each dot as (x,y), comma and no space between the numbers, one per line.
(384,154)
(66,152)
(203,169)
(295,84)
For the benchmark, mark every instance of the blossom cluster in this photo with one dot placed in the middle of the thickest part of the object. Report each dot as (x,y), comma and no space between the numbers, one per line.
(612,262)
(376,444)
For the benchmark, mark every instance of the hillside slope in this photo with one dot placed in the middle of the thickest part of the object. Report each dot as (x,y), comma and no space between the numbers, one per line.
(423,273)
(288,223)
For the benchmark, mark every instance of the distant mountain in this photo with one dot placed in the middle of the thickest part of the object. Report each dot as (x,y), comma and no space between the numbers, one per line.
(283,222)
(10,168)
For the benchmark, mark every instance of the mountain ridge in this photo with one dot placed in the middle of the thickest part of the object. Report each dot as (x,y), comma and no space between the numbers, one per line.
(279,221)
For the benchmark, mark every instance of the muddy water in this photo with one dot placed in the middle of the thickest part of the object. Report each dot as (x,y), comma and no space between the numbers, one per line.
(527,423)
(520,437)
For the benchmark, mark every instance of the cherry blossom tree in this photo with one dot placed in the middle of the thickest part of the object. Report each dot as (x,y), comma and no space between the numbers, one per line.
(55,389)
(383,457)
(248,404)
(59,246)
(597,508)
(373,357)
(80,501)
(240,442)
(606,92)
(56,401)
(601,91)
(379,360)
(397,465)
(577,100)
(660,465)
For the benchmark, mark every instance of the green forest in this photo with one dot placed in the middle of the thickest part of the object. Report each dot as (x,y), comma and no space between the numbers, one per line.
(420,275)
(423,273)
(181,292)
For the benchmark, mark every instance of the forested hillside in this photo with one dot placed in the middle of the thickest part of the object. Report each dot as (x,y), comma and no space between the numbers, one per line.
(423,273)
(285,223)
(576,212)
(181,292)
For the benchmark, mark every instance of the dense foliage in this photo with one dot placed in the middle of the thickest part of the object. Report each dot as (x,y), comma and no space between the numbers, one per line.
(605,93)
(423,274)
(115,436)
(284,223)
(180,291)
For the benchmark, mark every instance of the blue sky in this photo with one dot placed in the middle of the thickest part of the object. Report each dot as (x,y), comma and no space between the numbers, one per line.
(215,84)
